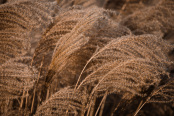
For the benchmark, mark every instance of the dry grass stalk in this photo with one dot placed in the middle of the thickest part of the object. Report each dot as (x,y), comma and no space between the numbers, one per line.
(85,63)
(16,77)
(63,102)
(127,7)
(13,43)
(75,48)
(155,19)
(25,14)
(119,66)
(17,21)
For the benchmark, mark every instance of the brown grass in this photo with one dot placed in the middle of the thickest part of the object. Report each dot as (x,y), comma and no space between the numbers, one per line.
(86,57)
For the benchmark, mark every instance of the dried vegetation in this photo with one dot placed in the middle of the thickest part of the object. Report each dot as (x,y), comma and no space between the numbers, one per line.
(86,57)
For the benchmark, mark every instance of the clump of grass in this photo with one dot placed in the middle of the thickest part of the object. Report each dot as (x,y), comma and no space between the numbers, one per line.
(89,61)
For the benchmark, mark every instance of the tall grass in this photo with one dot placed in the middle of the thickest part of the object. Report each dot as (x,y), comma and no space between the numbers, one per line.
(86,57)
